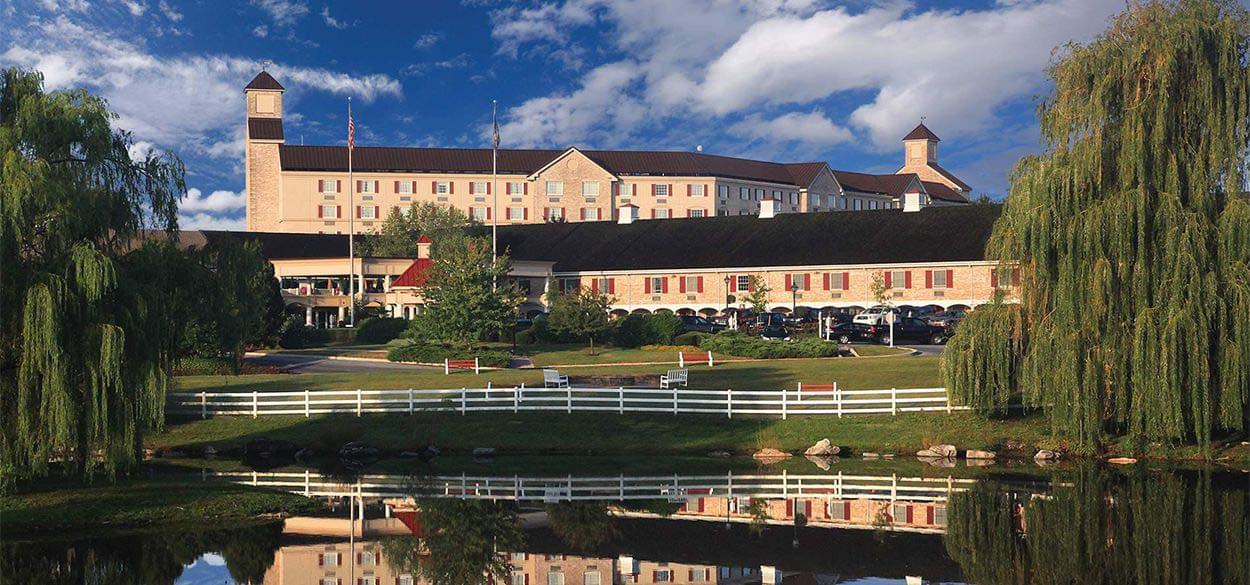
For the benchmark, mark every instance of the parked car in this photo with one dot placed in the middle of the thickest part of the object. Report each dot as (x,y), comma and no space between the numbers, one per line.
(946,318)
(846,332)
(909,328)
(700,324)
(770,319)
(874,315)
(775,330)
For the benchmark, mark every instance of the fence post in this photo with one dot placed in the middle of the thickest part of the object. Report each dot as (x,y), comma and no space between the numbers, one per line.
(681,359)
(620,397)
(948,400)
(253,404)
(307,403)
(203,405)
(784,396)
(729,403)
(516,398)
(674,400)
(476,368)
(837,397)
(463,393)
(709,358)
(446,367)
(569,392)
(894,401)
(359,401)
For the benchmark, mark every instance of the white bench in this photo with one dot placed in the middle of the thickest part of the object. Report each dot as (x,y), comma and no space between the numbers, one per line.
(553,379)
(674,378)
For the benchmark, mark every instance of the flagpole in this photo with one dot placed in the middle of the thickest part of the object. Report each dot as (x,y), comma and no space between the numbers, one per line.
(494,187)
(351,224)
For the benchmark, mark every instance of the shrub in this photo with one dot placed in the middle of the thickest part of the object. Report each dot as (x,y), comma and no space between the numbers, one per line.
(380,329)
(663,327)
(296,335)
(631,331)
(672,348)
(203,366)
(435,353)
(694,338)
(525,337)
(639,330)
(738,344)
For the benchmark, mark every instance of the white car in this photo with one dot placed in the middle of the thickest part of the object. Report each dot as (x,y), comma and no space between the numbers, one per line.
(874,315)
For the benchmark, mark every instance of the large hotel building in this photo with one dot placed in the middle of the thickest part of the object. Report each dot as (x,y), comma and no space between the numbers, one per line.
(658,231)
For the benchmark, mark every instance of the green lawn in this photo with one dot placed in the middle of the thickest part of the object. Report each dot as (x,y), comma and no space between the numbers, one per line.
(849,373)
(558,354)
(873,350)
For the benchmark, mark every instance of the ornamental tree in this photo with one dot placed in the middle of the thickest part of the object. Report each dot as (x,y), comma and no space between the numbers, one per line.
(466,296)
(581,313)
(1132,234)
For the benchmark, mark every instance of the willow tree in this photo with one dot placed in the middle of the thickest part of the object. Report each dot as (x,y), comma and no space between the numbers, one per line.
(1132,234)
(88,333)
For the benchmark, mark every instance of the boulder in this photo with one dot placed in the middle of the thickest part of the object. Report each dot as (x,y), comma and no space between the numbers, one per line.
(720,454)
(870,455)
(937,461)
(823,448)
(357,450)
(210,451)
(978,454)
(822,462)
(978,462)
(1046,455)
(947,451)
(1122,460)
(484,452)
(770,455)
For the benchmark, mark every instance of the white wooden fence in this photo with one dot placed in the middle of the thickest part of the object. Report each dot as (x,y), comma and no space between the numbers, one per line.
(607,488)
(728,402)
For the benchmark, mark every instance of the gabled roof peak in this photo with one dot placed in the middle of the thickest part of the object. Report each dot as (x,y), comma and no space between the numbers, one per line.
(264,80)
(922,132)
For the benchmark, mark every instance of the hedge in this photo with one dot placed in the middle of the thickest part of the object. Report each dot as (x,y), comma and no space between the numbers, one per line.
(742,345)
(694,338)
(380,329)
(433,353)
(638,330)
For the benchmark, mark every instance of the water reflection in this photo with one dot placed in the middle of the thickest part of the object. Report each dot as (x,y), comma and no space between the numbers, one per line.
(1080,524)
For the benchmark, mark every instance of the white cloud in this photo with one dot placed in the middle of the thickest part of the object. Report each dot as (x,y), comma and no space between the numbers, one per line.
(515,26)
(169,11)
(417,69)
(215,202)
(427,40)
(139,150)
(260,31)
(600,112)
(283,12)
(67,5)
(204,221)
(334,22)
(809,128)
(136,8)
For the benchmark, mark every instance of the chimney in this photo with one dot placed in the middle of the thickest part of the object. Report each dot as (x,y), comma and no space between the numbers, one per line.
(768,208)
(423,247)
(913,201)
(627,214)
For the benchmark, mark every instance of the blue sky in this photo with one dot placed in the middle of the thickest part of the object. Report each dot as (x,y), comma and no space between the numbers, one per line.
(787,80)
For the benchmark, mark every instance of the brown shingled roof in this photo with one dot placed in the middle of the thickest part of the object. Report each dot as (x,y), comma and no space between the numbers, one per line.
(524,162)
(892,185)
(264,80)
(805,173)
(922,132)
(950,175)
(943,192)
(264,128)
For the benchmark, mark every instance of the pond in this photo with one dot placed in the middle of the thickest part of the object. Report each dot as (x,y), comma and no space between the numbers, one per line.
(857,522)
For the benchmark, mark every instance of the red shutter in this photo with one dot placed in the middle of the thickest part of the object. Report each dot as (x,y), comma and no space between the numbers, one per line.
(664,285)
(320,212)
(928,517)
(547,213)
(928,279)
(340,557)
(846,510)
(689,213)
(397,186)
(357,212)
(525,188)
(691,571)
(909,516)
(377,212)
(527,579)
(653,195)
(377,186)
(789,508)
(338,186)
(1015,277)
(689,190)
(788,283)
(700,509)
(653,213)
(655,576)
(525,213)
(488,188)
(321,560)
(846,281)
(338,212)
(699,281)
(994,277)
(681,284)
(889,279)
(472,188)
(320,186)
(583,213)
(950,278)
(733,283)
(488,212)
(611,286)
(434,187)
(670,189)
(594,285)
(907,279)
(358,183)
(563,215)
(647,284)
(359,558)
(807,282)
(451,187)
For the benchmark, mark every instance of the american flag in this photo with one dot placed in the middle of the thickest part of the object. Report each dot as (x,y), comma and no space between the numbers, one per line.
(351,133)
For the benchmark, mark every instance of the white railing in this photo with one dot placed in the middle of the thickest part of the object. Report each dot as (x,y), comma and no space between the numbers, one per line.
(728,402)
(784,485)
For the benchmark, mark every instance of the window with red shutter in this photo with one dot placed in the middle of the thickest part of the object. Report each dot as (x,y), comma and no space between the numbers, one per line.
(846,281)
(338,212)
(994,277)
(451,187)
(434,187)
(889,279)
(338,186)
(807,282)
(377,186)
(320,211)
(357,212)
(376,211)
(681,284)
(928,279)
(611,286)
(950,278)
(646,285)
(397,186)
(907,279)
(664,284)
(700,282)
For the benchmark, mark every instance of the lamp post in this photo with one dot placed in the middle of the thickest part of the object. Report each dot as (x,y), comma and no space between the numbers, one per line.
(794,298)
(727,281)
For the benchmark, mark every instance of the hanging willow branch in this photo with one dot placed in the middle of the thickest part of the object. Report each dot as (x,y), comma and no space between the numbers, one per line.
(1132,232)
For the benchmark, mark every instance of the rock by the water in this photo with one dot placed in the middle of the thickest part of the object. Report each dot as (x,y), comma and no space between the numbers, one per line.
(1046,455)
(978,454)
(720,454)
(357,450)
(870,455)
(823,448)
(210,451)
(822,462)
(1122,460)
(947,451)
(937,461)
(770,455)
(484,452)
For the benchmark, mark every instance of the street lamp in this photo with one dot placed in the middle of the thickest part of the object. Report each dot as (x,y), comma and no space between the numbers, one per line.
(728,279)
(794,297)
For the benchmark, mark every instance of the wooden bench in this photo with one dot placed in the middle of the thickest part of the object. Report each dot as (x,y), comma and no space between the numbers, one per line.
(674,378)
(449,365)
(692,357)
(553,379)
(818,387)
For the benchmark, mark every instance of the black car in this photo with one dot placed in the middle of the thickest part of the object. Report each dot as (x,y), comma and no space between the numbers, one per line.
(847,332)
(700,324)
(775,331)
(911,329)
(946,319)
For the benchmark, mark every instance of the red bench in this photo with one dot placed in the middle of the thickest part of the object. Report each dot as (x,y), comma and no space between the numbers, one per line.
(817,387)
(449,365)
(692,357)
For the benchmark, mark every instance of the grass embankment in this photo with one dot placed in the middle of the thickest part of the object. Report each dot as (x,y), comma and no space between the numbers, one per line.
(67,507)
(901,372)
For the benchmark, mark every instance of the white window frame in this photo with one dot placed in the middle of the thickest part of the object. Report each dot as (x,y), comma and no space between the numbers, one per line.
(759,194)
(329,559)
(586,578)
(692,284)
(663,576)
(516,214)
(442,187)
(405,188)
(898,279)
(723,191)
(329,212)
(368,212)
(590,188)
(661,190)
(555,213)
(555,577)
(942,283)
(744,194)
(555,188)
(479,187)
(657,284)
(662,213)
(593,214)
(478,213)
(626,189)
(515,188)
(744,282)
(698,213)
(407,580)
(518,579)
(698,190)
(366,186)
(328,185)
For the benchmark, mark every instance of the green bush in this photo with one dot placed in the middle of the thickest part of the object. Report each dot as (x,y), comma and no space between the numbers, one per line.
(434,353)
(203,366)
(663,327)
(738,344)
(638,330)
(525,337)
(296,335)
(380,329)
(694,338)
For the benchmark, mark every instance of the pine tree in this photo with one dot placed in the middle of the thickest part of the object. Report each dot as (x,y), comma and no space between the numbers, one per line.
(1132,234)
(89,327)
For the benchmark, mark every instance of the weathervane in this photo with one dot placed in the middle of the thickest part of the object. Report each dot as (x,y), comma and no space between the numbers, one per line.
(264,65)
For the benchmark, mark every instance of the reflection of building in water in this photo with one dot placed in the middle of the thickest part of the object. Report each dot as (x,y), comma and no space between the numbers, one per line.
(818,511)
(330,564)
